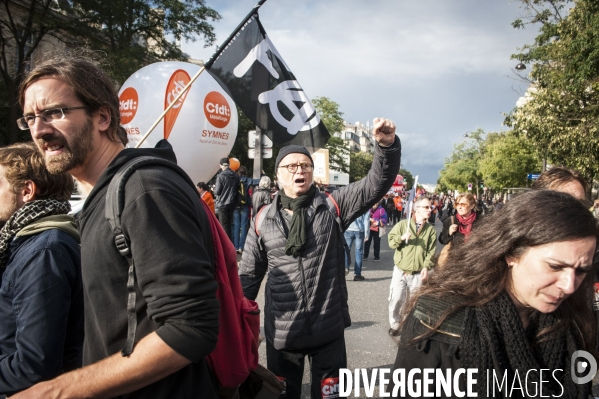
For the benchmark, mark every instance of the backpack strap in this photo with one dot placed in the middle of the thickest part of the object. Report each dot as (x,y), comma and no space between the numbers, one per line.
(260,218)
(115,197)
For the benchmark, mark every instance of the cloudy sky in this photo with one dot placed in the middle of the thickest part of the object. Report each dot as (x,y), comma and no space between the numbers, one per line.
(437,68)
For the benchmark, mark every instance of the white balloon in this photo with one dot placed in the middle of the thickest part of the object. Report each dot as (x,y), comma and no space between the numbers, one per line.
(201,127)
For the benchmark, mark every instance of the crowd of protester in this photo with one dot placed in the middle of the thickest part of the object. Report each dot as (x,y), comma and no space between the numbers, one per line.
(123,302)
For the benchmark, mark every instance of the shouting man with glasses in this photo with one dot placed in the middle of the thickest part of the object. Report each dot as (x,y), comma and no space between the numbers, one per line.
(71,108)
(298,242)
(414,241)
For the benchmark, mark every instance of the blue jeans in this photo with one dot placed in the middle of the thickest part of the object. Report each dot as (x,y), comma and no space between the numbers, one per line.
(358,237)
(241,220)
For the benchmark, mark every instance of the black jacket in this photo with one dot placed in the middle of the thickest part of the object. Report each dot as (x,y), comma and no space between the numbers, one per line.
(171,246)
(457,238)
(440,351)
(226,189)
(260,198)
(306,297)
(41,308)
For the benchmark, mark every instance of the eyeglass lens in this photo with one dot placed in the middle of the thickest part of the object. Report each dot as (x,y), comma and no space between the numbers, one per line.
(47,116)
(306,167)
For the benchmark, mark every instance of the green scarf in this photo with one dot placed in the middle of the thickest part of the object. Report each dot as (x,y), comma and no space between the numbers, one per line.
(297,229)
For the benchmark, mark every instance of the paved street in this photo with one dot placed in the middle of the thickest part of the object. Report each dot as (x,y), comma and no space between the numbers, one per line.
(368,343)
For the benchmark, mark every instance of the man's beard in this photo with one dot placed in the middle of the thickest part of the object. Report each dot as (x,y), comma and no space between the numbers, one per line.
(74,154)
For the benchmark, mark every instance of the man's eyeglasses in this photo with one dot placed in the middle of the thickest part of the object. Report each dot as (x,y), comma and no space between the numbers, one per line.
(47,116)
(462,204)
(292,167)
(425,207)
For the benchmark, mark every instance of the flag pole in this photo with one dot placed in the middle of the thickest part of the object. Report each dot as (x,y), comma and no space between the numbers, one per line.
(197,75)
(410,203)
(220,49)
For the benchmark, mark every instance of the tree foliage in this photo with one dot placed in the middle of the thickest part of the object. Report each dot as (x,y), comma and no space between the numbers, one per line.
(131,34)
(338,155)
(559,114)
(359,165)
(501,160)
(407,178)
(136,32)
(329,113)
(507,161)
(462,166)
(23,26)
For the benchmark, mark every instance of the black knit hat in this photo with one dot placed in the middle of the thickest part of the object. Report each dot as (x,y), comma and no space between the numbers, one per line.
(291,149)
(224,161)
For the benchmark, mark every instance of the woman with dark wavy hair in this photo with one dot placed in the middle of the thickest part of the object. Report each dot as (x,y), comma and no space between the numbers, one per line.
(513,300)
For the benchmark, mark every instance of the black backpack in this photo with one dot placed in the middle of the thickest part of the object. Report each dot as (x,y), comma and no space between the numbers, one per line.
(241,195)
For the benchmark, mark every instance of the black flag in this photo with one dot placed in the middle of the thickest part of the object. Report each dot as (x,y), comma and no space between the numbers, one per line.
(253,73)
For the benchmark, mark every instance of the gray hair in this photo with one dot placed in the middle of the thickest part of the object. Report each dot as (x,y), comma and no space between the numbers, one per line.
(420,199)
(264,182)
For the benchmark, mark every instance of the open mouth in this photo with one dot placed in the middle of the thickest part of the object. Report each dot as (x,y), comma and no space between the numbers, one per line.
(52,147)
(299,180)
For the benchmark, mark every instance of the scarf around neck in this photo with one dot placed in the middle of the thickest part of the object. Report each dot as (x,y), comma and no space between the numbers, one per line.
(420,226)
(465,224)
(297,228)
(28,213)
(494,339)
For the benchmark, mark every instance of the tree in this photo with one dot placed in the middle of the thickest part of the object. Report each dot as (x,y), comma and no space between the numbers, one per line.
(23,27)
(462,166)
(332,118)
(407,178)
(359,165)
(338,155)
(136,32)
(560,113)
(329,113)
(500,160)
(132,34)
(507,161)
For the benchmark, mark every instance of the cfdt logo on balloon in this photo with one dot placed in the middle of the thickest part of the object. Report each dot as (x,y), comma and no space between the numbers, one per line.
(217,109)
(128,105)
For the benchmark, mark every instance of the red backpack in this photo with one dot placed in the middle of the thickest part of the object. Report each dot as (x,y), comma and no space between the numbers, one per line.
(239,316)
(236,352)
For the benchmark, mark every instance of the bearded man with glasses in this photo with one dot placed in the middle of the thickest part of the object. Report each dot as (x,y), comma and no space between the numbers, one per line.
(298,240)
(71,109)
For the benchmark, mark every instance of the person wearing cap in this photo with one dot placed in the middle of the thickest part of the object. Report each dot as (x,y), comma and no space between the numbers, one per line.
(298,241)
(226,189)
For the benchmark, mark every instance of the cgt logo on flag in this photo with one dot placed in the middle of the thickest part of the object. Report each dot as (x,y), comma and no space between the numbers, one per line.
(251,70)
(175,85)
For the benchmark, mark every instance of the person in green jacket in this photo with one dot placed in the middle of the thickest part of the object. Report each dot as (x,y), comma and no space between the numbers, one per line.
(414,246)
